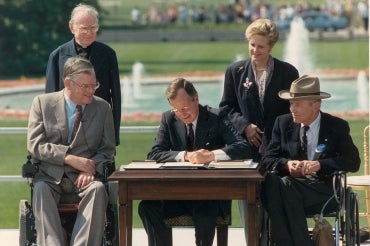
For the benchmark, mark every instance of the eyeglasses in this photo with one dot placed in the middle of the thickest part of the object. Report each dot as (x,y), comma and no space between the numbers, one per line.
(183,109)
(87,86)
(86,29)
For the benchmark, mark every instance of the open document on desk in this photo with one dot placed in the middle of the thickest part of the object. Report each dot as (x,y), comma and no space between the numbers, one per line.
(239,164)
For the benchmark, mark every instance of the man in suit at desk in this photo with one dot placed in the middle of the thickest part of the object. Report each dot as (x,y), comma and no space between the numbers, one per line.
(71,133)
(197,134)
(301,179)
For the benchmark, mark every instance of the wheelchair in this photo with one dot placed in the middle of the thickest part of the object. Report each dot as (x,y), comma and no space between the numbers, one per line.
(346,229)
(68,212)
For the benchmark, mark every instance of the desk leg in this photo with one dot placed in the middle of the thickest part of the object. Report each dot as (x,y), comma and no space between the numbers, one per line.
(129,222)
(125,216)
(253,218)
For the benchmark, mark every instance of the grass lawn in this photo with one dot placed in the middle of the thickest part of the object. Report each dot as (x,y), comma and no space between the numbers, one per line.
(177,58)
(133,146)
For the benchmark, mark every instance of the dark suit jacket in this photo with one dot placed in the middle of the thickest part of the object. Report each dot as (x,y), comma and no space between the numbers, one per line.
(104,60)
(212,132)
(243,105)
(47,136)
(340,154)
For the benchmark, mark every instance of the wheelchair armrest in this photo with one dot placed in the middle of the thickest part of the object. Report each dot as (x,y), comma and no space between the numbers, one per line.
(109,168)
(30,168)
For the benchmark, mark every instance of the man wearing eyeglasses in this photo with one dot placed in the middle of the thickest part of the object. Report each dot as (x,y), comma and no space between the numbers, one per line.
(71,133)
(214,139)
(84,25)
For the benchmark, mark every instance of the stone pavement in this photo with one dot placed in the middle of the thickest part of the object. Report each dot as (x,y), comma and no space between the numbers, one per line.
(181,237)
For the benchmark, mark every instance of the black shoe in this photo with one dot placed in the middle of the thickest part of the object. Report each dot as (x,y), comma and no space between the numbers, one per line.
(364,235)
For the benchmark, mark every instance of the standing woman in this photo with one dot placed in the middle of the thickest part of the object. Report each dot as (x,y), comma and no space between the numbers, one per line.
(251,87)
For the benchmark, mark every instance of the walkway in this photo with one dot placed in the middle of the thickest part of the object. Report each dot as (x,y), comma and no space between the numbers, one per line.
(181,237)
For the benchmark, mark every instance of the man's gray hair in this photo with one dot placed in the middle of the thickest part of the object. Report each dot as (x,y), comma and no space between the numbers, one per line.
(84,8)
(77,65)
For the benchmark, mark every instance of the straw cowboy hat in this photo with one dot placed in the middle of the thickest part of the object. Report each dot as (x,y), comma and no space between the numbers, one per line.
(305,87)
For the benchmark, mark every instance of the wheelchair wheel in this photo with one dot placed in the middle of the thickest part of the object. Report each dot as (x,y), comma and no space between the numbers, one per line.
(27,231)
(110,237)
(352,226)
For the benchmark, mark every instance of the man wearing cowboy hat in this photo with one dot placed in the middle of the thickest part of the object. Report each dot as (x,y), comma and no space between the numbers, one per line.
(298,181)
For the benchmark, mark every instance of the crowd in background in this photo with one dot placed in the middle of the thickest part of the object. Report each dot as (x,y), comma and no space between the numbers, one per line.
(238,11)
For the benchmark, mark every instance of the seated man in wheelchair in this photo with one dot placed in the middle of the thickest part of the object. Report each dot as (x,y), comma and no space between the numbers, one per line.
(71,135)
(299,176)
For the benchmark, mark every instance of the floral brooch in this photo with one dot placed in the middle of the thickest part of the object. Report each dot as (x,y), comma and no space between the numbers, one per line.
(247,84)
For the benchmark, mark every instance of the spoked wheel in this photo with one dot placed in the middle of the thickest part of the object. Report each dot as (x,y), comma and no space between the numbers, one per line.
(352,225)
(27,231)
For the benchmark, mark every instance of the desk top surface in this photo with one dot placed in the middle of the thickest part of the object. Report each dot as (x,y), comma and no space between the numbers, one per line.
(172,175)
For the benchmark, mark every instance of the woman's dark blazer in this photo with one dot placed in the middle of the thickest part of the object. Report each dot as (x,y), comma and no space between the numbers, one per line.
(241,102)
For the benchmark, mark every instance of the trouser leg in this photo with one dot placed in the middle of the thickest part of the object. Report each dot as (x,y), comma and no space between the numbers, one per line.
(151,214)
(287,201)
(204,214)
(47,220)
(301,197)
(90,221)
(273,203)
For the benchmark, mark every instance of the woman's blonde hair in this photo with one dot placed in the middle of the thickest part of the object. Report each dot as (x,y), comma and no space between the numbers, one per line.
(263,27)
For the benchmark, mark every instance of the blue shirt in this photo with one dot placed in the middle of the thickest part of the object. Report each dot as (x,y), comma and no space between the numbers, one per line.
(71,112)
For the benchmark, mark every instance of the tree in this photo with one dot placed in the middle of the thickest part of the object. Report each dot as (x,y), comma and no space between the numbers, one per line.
(30,30)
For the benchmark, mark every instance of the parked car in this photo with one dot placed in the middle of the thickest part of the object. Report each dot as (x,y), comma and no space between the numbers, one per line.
(316,20)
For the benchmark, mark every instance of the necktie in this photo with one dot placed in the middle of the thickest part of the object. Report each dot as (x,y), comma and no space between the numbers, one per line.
(77,121)
(304,140)
(190,138)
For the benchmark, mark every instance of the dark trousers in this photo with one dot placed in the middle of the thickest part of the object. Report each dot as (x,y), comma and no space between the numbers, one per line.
(203,213)
(287,201)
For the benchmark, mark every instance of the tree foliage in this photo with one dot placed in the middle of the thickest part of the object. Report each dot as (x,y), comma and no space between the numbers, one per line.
(30,30)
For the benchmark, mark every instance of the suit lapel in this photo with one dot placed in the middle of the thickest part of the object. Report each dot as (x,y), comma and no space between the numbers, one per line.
(68,51)
(89,114)
(325,130)
(60,115)
(202,128)
(295,143)
(180,129)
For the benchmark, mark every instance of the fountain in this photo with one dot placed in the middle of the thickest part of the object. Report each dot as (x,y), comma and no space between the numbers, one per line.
(126,90)
(297,48)
(239,57)
(137,72)
(297,52)
(362,91)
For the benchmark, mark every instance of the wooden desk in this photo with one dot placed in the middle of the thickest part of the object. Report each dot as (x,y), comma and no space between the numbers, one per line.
(157,184)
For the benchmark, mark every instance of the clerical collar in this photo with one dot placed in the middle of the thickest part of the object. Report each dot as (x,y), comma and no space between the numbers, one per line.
(84,52)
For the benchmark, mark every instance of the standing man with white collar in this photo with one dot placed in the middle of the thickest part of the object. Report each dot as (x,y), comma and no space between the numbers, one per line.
(300,182)
(84,25)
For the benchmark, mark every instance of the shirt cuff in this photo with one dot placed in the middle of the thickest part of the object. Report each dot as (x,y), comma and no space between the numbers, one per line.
(220,155)
(180,156)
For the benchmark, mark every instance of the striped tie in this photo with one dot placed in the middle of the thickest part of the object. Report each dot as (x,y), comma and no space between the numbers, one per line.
(304,140)
(77,121)
(190,138)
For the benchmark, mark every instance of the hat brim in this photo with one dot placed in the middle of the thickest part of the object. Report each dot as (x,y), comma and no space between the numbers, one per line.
(288,96)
